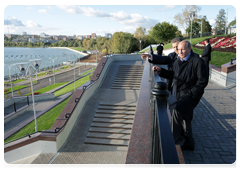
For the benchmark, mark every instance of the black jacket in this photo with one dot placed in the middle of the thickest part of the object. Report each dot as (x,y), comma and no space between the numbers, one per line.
(206,55)
(168,60)
(159,49)
(190,77)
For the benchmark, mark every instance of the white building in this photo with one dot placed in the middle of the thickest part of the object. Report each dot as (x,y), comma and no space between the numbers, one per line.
(232,30)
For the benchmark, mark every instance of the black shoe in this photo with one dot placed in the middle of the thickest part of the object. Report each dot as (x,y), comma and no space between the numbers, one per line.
(188,144)
(187,147)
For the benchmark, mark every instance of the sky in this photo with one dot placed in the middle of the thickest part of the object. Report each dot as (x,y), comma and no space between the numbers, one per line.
(77,18)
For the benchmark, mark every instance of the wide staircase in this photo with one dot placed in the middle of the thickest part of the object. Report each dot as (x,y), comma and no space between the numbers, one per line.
(111,125)
(128,77)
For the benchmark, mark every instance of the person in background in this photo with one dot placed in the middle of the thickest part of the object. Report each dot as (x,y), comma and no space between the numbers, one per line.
(190,77)
(206,55)
(160,49)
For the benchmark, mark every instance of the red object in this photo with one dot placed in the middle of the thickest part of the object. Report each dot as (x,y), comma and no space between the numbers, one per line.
(6,90)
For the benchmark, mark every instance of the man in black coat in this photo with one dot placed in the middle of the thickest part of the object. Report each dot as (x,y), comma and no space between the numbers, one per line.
(168,60)
(160,49)
(206,55)
(190,77)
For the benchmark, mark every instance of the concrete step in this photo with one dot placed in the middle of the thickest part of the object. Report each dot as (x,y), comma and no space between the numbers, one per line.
(132,66)
(126,88)
(118,104)
(126,112)
(112,125)
(127,75)
(106,142)
(114,116)
(131,83)
(126,85)
(106,120)
(110,130)
(116,108)
(108,136)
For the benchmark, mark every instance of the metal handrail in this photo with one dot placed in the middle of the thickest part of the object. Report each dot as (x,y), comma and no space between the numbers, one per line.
(57,129)
(163,145)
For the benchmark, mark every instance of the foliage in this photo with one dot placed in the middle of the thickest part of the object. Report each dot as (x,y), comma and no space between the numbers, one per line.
(196,28)
(220,20)
(183,19)
(232,23)
(206,27)
(122,42)
(163,32)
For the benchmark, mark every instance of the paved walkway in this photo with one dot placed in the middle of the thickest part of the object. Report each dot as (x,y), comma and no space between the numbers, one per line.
(214,127)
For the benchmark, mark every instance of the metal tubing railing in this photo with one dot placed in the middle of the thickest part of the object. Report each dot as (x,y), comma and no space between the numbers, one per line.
(163,145)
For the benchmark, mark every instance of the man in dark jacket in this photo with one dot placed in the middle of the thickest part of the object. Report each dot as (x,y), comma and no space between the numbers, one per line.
(206,55)
(160,49)
(168,60)
(190,77)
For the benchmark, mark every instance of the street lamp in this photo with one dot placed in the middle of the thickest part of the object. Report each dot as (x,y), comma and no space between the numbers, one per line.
(192,15)
(53,67)
(36,63)
(31,73)
(73,62)
(10,76)
(140,44)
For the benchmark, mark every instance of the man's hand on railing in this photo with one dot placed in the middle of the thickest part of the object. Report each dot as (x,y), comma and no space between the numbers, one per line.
(156,68)
(145,56)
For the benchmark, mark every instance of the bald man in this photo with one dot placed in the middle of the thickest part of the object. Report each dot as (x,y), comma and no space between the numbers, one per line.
(190,77)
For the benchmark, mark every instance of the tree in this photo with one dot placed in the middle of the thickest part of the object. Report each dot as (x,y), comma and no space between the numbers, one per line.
(196,28)
(141,34)
(221,20)
(206,27)
(122,42)
(183,19)
(163,32)
(232,23)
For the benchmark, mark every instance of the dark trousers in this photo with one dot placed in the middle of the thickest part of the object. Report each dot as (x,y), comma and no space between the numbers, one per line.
(182,113)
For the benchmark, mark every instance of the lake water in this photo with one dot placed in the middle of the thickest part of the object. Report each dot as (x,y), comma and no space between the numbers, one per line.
(13,55)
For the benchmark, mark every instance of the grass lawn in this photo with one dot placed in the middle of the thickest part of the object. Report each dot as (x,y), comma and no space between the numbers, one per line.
(44,122)
(45,89)
(70,87)
(16,81)
(87,72)
(217,58)
(14,89)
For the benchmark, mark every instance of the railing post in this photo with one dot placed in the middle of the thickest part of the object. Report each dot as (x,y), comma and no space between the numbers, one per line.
(160,91)
(14,105)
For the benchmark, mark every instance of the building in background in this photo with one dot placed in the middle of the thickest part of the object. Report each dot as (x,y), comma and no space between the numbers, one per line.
(108,35)
(94,35)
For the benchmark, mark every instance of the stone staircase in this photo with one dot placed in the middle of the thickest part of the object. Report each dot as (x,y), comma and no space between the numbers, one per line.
(111,125)
(128,77)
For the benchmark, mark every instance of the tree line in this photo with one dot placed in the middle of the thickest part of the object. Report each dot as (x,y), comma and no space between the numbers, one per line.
(123,42)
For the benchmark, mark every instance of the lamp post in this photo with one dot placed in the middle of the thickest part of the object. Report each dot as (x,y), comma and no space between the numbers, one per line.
(10,76)
(23,68)
(192,15)
(31,73)
(140,44)
(53,67)
(36,63)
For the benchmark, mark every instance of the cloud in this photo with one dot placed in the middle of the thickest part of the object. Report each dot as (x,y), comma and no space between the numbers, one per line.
(32,24)
(87,11)
(44,11)
(120,16)
(13,21)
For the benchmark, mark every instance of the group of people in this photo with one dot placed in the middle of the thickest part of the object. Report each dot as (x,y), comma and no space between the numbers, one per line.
(187,76)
